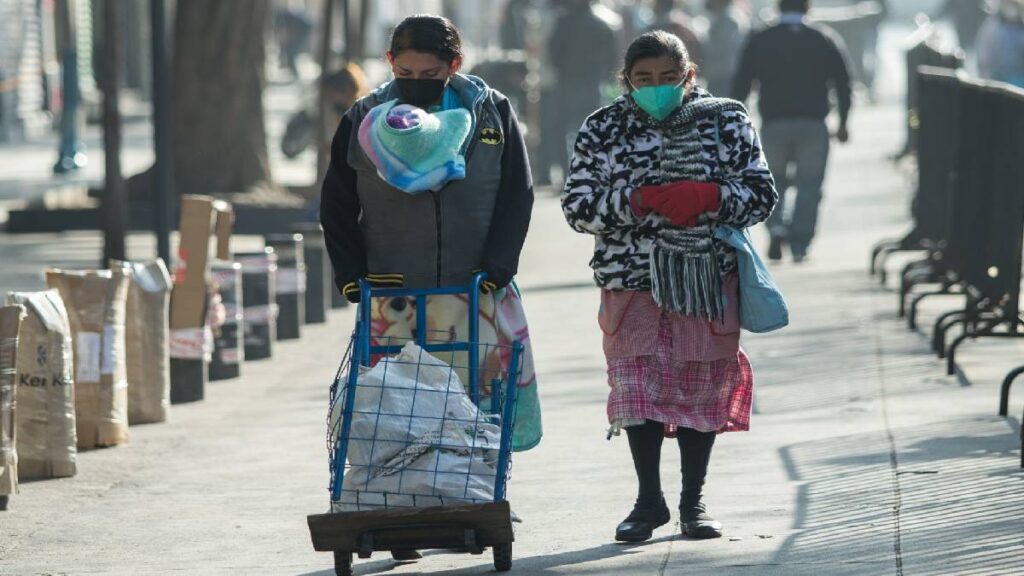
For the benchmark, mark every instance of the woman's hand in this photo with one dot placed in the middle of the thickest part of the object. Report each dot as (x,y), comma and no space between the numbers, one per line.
(496,280)
(681,202)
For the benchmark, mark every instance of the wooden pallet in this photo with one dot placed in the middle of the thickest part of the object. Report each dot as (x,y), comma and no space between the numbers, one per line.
(469,527)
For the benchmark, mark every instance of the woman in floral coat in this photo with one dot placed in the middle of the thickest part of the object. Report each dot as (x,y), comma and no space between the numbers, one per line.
(656,172)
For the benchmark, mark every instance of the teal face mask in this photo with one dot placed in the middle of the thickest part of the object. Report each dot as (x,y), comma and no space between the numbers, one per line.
(659,101)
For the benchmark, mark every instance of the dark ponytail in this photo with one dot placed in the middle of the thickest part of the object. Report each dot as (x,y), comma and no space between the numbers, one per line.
(655,45)
(428,34)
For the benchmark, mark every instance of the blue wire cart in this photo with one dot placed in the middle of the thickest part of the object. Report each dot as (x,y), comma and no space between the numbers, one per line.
(420,437)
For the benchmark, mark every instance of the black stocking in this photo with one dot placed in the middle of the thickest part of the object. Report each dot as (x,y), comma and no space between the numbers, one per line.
(645,444)
(695,452)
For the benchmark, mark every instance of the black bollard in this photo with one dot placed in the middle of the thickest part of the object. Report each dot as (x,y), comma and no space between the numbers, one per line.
(290,285)
(318,281)
(188,380)
(227,339)
(189,358)
(259,312)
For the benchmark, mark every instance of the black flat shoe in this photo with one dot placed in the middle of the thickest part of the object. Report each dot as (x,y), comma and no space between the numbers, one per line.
(696,523)
(641,522)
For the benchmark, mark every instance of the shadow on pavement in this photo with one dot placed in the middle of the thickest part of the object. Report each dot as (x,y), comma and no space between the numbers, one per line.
(948,501)
(540,565)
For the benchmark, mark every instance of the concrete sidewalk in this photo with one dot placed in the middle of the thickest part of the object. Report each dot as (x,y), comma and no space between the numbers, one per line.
(864,458)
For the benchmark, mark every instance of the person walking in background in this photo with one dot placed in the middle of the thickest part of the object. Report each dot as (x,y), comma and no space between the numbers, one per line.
(582,51)
(1001,44)
(293,28)
(727,31)
(71,151)
(514,24)
(668,17)
(967,16)
(795,66)
(664,160)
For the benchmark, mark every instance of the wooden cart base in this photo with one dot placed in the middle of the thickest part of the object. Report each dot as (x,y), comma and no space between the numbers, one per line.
(468,527)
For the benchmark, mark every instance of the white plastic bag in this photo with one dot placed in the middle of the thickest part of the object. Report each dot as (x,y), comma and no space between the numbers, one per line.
(416,437)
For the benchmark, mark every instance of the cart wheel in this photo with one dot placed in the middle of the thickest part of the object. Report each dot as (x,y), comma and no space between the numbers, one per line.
(502,557)
(342,563)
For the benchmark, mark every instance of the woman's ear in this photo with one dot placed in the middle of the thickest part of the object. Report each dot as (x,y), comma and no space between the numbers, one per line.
(691,78)
(456,66)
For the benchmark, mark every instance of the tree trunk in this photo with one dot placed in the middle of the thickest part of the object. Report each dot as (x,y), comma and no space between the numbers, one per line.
(219,138)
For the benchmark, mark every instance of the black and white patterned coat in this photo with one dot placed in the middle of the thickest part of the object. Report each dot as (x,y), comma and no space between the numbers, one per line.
(620,148)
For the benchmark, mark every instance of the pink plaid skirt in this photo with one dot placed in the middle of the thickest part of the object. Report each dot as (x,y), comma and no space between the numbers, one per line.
(691,373)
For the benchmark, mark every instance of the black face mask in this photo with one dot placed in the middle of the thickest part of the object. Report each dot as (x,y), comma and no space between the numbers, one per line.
(420,92)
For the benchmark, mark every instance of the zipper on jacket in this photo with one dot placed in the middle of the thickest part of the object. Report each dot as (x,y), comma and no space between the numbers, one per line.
(438,221)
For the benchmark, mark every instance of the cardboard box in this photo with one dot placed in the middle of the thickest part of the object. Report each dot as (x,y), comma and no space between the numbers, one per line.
(46,435)
(201,218)
(10,323)
(146,342)
(96,302)
(197,222)
(225,223)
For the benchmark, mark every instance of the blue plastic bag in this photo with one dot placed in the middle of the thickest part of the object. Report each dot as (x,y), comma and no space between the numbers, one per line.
(762,307)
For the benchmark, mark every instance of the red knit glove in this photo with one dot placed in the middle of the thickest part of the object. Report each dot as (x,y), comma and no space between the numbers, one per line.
(681,202)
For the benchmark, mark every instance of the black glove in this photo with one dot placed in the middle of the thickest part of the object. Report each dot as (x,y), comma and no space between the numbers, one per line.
(495,280)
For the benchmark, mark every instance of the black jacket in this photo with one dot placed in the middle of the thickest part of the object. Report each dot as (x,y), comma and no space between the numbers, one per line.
(795,66)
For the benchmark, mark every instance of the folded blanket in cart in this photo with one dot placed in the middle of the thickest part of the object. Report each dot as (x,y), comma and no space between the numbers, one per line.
(416,438)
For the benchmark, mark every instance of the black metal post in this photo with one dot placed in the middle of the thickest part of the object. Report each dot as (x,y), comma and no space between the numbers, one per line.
(323,139)
(346,17)
(163,181)
(115,205)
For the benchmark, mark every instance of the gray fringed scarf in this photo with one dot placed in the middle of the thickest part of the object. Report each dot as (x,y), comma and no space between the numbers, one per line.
(684,264)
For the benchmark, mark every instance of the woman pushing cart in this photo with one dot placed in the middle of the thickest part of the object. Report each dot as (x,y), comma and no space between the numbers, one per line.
(428,186)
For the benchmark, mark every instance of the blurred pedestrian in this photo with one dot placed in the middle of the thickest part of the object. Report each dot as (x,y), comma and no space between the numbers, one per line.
(664,161)
(967,16)
(1001,44)
(582,51)
(293,28)
(71,151)
(341,89)
(796,65)
(877,12)
(429,183)
(514,24)
(668,17)
(727,32)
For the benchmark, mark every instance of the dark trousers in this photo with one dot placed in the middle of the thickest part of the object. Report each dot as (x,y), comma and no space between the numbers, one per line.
(797,153)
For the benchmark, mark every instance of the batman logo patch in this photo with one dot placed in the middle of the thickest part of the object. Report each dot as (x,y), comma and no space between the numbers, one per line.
(491,136)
